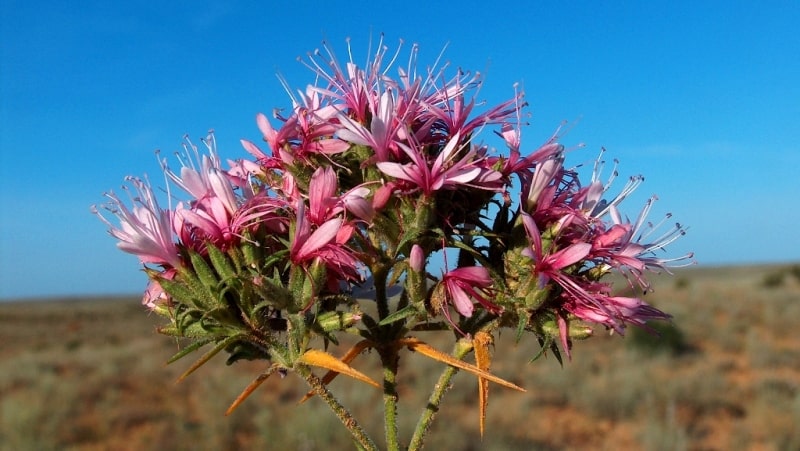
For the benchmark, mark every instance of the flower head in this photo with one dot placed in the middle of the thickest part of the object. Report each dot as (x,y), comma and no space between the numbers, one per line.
(145,229)
(462,285)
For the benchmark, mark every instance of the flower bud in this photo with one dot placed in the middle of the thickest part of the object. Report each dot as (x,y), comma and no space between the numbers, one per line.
(417,258)
(382,196)
(575,329)
(542,177)
(333,321)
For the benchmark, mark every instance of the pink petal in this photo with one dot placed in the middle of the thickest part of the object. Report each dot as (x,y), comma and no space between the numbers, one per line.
(253,150)
(461,301)
(322,236)
(569,255)
(475,275)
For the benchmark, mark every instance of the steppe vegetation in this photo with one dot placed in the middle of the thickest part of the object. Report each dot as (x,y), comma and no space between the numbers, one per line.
(90,374)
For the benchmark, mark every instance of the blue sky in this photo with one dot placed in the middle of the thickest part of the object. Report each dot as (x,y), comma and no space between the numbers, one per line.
(703,98)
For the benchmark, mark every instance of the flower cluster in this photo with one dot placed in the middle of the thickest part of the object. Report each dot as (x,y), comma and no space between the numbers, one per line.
(368,180)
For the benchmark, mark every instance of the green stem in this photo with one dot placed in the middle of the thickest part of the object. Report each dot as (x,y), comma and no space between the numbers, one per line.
(389,358)
(358,433)
(379,275)
(462,348)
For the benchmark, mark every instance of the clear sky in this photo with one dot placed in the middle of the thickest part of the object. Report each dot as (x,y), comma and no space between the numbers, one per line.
(703,98)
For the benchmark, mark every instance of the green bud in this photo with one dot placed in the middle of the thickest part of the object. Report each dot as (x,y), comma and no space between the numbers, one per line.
(575,330)
(335,321)
(533,295)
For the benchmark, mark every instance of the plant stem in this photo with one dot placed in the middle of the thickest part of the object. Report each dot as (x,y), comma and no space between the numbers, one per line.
(389,358)
(358,433)
(379,275)
(462,348)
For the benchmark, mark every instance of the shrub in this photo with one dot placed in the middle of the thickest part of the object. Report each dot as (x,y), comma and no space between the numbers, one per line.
(663,338)
(773,279)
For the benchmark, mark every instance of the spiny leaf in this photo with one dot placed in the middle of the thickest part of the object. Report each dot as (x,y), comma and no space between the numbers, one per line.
(181,292)
(204,272)
(221,263)
(557,353)
(423,348)
(190,349)
(348,357)
(398,315)
(208,355)
(523,321)
(324,360)
(544,343)
(274,294)
(251,387)
(200,295)
(176,290)
(483,360)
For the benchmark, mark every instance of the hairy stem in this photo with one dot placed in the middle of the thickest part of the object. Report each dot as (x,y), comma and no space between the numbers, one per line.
(462,348)
(358,433)
(379,275)
(389,358)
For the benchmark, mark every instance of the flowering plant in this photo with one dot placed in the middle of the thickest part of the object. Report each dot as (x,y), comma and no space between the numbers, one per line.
(350,222)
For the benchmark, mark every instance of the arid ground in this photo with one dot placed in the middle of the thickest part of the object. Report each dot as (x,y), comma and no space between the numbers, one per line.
(90,374)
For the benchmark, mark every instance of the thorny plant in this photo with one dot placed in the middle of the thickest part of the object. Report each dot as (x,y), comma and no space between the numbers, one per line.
(367,183)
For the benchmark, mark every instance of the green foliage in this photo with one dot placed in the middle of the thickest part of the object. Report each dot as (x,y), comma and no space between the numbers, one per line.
(794,270)
(773,279)
(681,283)
(665,337)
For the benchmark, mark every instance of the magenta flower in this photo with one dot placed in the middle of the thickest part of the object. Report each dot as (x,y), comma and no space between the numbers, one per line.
(549,265)
(327,243)
(447,171)
(617,311)
(324,201)
(456,116)
(467,283)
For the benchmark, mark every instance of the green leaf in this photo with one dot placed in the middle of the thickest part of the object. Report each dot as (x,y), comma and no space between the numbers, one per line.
(178,291)
(208,355)
(204,272)
(251,254)
(556,352)
(221,263)
(523,321)
(190,349)
(399,315)
(245,350)
(543,343)
(201,297)
(273,294)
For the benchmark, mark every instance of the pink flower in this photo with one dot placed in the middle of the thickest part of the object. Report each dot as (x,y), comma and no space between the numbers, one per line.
(327,243)
(446,172)
(201,175)
(549,265)
(145,230)
(324,201)
(154,295)
(614,312)
(542,185)
(383,129)
(455,115)
(467,283)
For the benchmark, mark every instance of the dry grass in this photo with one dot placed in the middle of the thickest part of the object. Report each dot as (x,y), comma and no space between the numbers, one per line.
(90,375)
